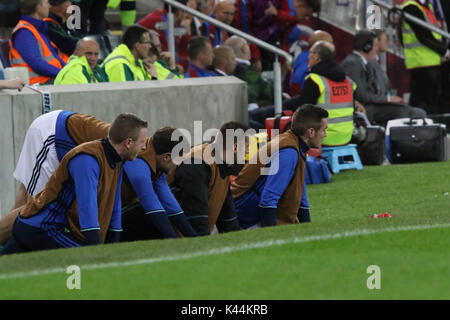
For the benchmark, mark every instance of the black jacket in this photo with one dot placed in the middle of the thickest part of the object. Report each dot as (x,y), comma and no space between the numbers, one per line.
(191,188)
(311,92)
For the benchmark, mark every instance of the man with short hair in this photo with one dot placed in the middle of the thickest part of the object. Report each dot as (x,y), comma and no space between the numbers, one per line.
(300,68)
(81,202)
(305,8)
(201,57)
(126,62)
(328,87)
(380,107)
(202,181)
(31,46)
(274,199)
(149,207)
(260,91)
(224,62)
(82,66)
(224,12)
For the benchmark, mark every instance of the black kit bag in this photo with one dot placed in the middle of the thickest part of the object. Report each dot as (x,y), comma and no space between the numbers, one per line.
(418,140)
(370,140)
(373,149)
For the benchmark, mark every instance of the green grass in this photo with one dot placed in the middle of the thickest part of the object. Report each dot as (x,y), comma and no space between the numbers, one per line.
(414,263)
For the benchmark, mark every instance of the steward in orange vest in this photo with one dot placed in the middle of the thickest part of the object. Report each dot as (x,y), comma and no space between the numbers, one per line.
(31,48)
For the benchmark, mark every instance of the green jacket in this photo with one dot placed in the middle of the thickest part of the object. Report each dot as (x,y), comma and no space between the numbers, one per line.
(78,71)
(259,90)
(121,66)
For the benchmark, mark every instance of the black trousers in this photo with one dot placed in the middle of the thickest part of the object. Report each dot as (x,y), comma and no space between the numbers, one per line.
(27,238)
(136,226)
(92,14)
(444,103)
(267,57)
(382,113)
(425,88)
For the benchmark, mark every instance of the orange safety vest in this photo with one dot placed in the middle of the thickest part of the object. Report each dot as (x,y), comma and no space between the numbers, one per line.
(16,59)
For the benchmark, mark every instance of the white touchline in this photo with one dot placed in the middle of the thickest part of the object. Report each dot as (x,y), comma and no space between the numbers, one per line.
(223,250)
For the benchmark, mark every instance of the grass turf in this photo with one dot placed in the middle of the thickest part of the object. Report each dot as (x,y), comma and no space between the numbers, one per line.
(414,263)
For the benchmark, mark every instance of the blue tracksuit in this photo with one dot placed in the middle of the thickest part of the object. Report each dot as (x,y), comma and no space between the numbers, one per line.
(268,189)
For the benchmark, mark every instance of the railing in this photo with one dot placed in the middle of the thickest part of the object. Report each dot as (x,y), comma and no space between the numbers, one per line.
(413,19)
(278,52)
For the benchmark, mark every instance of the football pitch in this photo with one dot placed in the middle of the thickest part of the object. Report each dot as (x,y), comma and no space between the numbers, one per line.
(341,254)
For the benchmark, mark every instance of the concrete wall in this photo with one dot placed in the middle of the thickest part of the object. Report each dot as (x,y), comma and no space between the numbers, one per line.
(176,103)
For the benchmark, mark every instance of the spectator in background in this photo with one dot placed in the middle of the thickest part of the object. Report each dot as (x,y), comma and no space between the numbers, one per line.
(127,11)
(381,76)
(12,84)
(271,17)
(424,52)
(92,16)
(82,66)
(201,182)
(198,28)
(275,198)
(380,107)
(157,21)
(300,68)
(163,61)
(264,25)
(31,46)
(201,57)
(260,91)
(224,62)
(224,12)
(241,20)
(57,29)
(126,63)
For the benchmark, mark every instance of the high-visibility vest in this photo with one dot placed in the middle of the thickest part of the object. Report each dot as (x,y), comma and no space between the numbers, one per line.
(127,11)
(120,65)
(337,99)
(16,59)
(164,73)
(418,55)
(76,71)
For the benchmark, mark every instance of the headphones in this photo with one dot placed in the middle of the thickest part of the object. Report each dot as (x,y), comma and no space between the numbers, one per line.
(368,45)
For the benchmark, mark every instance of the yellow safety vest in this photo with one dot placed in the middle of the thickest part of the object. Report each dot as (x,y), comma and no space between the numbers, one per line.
(418,55)
(164,73)
(121,65)
(337,99)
